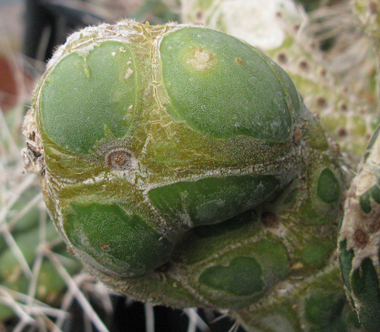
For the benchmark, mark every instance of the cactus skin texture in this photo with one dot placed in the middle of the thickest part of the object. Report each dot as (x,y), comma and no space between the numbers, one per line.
(182,167)
(359,239)
(343,98)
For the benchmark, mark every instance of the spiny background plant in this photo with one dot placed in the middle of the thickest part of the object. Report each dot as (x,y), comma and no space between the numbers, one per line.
(309,299)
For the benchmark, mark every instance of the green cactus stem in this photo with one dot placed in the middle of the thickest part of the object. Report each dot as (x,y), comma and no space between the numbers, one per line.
(182,167)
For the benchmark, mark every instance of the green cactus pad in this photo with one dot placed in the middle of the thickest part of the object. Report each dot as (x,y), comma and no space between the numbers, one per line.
(121,243)
(220,86)
(243,277)
(365,202)
(373,138)
(97,89)
(317,254)
(365,287)
(166,153)
(328,186)
(323,309)
(375,194)
(212,200)
(345,260)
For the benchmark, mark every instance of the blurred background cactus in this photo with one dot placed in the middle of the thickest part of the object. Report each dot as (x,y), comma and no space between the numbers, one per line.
(329,49)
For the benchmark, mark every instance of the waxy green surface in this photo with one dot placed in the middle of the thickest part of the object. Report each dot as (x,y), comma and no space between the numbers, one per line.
(93,102)
(182,167)
(202,67)
(242,277)
(86,96)
(121,243)
(212,200)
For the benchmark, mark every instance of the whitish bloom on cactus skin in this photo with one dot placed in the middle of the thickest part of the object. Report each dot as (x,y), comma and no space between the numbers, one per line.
(182,167)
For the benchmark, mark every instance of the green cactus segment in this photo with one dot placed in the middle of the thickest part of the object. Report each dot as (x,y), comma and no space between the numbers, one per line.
(373,138)
(224,88)
(121,243)
(365,203)
(345,261)
(325,195)
(212,200)
(328,189)
(289,87)
(365,286)
(251,272)
(86,96)
(324,309)
(365,199)
(286,81)
(375,194)
(316,255)
(243,277)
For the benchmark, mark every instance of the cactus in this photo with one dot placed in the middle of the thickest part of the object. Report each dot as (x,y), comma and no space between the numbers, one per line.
(177,177)
(358,241)
(336,85)
(183,168)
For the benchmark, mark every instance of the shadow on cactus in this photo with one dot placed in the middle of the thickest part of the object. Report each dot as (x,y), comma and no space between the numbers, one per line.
(182,167)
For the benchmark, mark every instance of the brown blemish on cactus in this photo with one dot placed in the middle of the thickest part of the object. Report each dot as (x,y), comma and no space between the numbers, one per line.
(321,102)
(105,246)
(342,132)
(323,72)
(239,61)
(199,15)
(163,268)
(33,147)
(119,159)
(372,6)
(297,137)
(269,219)
(335,149)
(360,238)
(282,58)
(303,65)
(343,106)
